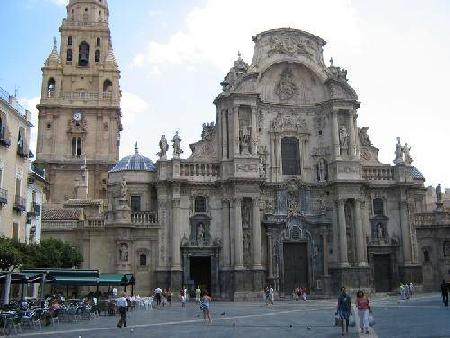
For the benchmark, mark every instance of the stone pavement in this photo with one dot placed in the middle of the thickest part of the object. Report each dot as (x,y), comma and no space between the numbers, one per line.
(423,316)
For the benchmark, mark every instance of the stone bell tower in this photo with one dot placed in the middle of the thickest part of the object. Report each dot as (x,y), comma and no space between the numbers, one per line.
(79,111)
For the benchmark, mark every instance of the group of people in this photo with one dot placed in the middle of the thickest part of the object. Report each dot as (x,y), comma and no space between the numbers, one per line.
(344,311)
(406,290)
(299,293)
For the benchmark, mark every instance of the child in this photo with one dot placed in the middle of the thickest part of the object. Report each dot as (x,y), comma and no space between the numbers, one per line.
(204,306)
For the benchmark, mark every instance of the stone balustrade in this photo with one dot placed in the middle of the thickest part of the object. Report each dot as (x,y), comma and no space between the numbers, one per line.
(432,218)
(144,217)
(378,173)
(199,169)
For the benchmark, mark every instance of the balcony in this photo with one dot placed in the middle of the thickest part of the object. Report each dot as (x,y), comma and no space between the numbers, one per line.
(19,204)
(5,139)
(3,196)
(144,218)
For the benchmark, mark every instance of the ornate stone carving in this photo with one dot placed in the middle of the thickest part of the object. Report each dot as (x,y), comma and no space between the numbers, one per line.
(176,144)
(163,146)
(286,87)
(364,137)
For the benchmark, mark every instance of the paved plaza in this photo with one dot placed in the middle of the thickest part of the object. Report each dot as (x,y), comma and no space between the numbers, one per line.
(423,316)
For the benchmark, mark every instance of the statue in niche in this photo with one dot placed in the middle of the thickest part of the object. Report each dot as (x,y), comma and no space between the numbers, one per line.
(343,140)
(398,152)
(163,146)
(438,194)
(123,252)
(364,137)
(406,151)
(286,87)
(245,140)
(123,189)
(322,170)
(200,234)
(177,151)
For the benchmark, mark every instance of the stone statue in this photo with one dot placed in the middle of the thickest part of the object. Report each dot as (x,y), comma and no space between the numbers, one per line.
(398,152)
(245,140)
(438,194)
(200,234)
(364,137)
(322,170)
(177,151)
(343,139)
(123,252)
(406,150)
(163,146)
(123,189)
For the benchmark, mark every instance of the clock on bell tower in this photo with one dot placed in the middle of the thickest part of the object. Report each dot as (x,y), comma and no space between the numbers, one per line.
(79,110)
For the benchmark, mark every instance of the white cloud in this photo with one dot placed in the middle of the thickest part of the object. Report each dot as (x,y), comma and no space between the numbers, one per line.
(214,33)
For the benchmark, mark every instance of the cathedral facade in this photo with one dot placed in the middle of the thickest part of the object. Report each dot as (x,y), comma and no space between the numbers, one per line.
(283,188)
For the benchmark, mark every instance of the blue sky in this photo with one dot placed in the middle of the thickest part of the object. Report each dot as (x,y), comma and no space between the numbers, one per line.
(173,55)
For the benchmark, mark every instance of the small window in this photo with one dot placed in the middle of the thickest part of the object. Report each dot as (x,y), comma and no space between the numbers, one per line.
(378,207)
(69,41)
(76,147)
(97,56)
(142,259)
(200,204)
(69,56)
(135,203)
(290,156)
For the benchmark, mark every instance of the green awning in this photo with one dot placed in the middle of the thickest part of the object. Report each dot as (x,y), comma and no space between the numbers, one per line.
(75,280)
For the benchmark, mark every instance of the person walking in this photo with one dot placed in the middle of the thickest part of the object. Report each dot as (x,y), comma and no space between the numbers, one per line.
(121,304)
(362,303)
(444,292)
(197,294)
(204,306)
(344,309)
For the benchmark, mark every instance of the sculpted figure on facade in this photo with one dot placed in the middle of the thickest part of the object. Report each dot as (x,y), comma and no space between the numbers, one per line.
(407,152)
(398,152)
(343,140)
(286,87)
(176,141)
(364,137)
(163,148)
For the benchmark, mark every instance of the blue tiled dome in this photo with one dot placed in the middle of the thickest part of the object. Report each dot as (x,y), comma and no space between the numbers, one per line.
(134,162)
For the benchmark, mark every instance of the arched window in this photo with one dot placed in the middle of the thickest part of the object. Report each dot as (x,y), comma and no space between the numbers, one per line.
(69,40)
(142,259)
(51,85)
(83,59)
(200,204)
(69,56)
(76,147)
(98,42)
(97,56)
(290,156)
(107,86)
(378,207)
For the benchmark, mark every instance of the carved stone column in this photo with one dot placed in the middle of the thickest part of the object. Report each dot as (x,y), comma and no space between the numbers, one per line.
(335,135)
(342,234)
(253,145)
(226,232)
(256,235)
(406,234)
(352,145)
(360,242)
(238,235)
(175,240)
(236,129)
